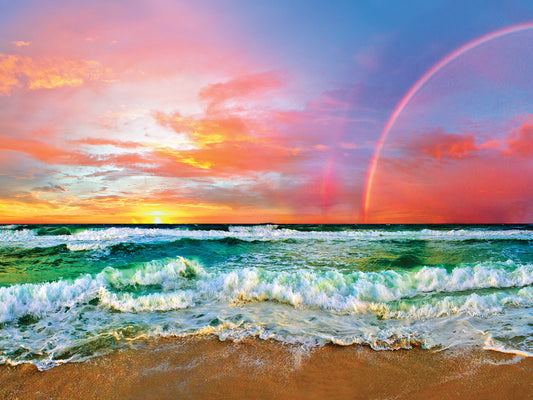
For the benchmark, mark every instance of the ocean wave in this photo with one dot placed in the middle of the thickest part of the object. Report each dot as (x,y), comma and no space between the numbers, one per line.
(8,236)
(97,238)
(486,304)
(86,246)
(428,292)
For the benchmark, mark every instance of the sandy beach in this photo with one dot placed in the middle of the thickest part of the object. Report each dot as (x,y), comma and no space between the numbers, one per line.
(208,368)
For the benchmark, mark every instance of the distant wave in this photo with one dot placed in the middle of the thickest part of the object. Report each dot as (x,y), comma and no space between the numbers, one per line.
(99,238)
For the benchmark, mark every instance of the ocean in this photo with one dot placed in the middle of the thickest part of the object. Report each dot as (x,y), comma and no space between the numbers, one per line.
(70,293)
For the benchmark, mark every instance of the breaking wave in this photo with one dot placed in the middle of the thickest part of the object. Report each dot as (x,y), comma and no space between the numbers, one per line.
(99,238)
(181,283)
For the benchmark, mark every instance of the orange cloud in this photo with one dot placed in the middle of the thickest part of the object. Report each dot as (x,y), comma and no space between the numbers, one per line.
(20,43)
(37,150)
(18,71)
(230,143)
(8,73)
(56,155)
(209,128)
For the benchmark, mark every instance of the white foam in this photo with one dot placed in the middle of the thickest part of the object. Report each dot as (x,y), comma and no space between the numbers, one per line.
(519,353)
(389,294)
(470,304)
(39,299)
(86,246)
(87,239)
(19,237)
(125,302)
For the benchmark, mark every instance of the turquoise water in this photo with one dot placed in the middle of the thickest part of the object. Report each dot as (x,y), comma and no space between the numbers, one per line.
(68,293)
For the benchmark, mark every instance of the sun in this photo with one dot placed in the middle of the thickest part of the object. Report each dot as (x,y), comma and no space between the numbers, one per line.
(157,216)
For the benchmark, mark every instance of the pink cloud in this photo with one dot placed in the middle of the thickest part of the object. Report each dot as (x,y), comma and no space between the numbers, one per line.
(21,43)
(440,145)
(463,183)
(520,141)
(241,88)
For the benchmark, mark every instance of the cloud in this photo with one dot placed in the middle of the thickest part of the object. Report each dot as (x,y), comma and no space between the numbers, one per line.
(260,148)
(349,146)
(38,150)
(227,143)
(438,144)
(108,142)
(27,73)
(50,188)
(246,87)
(209,128)
(20,43)
(22,200)
(464,182)
(520,141)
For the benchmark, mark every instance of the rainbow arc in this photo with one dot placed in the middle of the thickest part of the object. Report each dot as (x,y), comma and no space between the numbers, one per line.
(412,92)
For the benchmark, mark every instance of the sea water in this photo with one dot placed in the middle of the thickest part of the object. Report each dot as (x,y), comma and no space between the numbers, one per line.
(68,293)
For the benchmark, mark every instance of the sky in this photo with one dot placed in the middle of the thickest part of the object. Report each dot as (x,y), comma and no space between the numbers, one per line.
(230,111)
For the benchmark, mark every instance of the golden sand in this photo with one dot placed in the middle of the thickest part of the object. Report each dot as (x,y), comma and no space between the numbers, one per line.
(206,368)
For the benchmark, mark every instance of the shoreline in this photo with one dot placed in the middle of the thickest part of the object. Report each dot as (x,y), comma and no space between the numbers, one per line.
(205,367)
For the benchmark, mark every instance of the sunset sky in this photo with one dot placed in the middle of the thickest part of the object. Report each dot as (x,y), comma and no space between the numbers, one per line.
(266,111)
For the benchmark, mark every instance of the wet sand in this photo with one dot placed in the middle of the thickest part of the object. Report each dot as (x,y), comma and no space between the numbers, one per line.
(206,368)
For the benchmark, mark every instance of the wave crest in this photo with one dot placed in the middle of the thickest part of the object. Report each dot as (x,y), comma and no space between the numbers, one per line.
(98,238)
(178,283)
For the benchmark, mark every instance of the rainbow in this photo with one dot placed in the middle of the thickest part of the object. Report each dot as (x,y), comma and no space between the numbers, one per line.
(414,89)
